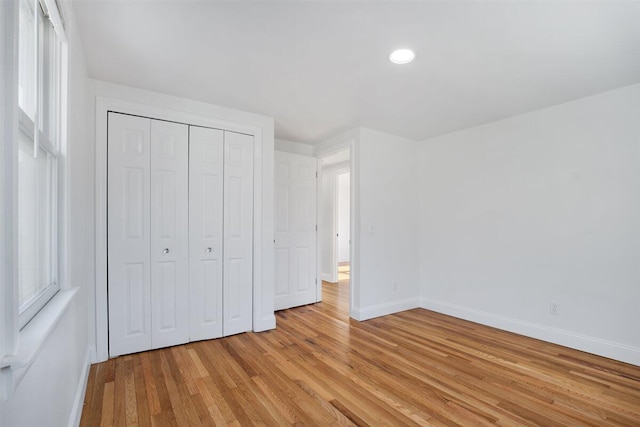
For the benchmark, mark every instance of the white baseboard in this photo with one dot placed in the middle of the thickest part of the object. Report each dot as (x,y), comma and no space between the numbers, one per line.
(265,324)
(365,313)
(78,401)
(610,349)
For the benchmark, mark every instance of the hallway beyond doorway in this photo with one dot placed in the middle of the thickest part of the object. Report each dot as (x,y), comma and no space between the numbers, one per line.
(343,271)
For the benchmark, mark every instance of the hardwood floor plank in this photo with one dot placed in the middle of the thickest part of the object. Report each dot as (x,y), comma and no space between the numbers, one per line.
(92,408)
(201,409)
(319,367)
(341,419)
(216,395)
(143,405)
(184,367)
(131,404)
(107,418)
(279,410)
(165,415)
(218,405)
(202,371)
(219,372)
(150,384)
(284,375)
(347,413)
(119,396)
(194,408)
(177,390)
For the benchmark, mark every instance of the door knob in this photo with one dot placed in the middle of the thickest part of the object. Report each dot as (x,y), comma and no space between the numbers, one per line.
(165,251)
(209,250)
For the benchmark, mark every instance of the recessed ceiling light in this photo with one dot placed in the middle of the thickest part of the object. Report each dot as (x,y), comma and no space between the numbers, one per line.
(402,56)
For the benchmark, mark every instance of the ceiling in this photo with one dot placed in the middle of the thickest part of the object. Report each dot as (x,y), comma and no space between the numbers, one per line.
(321,67)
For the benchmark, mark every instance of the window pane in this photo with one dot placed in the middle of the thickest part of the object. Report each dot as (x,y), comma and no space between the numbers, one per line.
(26,59)
(35,213)
(50,79)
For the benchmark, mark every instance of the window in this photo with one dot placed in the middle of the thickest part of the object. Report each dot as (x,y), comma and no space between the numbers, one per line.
(39,82)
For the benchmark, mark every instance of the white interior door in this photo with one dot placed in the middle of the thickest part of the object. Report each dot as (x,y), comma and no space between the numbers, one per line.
(206,156)
(238,233)
(169,233)
(295,230)
(129,237)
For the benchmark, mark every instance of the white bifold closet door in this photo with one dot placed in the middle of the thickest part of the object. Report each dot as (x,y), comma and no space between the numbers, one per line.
(180,233)
(295,230)
(129,234)
(238,233)
(206,177)
(220,232)
(169,233)
(148,241)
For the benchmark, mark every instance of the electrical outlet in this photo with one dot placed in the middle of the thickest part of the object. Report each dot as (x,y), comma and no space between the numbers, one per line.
(553,308)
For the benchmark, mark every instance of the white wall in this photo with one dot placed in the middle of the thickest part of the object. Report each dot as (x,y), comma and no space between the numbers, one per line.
(293,147)
(389,220)
(54,382)
(537,208)
(47,393)
(344,183)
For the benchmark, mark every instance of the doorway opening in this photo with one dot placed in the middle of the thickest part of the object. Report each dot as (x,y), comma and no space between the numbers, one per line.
(334,238)
(343,218)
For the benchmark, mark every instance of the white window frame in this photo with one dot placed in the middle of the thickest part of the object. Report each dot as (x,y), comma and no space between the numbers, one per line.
(34,305)
(31,129)
(19,346)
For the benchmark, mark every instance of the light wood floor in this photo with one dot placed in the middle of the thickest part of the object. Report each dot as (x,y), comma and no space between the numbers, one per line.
(318,368)
(344,271)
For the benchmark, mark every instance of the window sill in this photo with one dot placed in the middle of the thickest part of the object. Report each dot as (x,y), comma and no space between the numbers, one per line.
(31,338)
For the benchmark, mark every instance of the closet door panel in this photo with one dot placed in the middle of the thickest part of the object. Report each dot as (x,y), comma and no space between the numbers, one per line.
(169,233)
(128,239)
(238,233)
(206,156)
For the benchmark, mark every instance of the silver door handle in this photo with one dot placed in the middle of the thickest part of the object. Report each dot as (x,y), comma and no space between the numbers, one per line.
(209,250)
(165,251)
